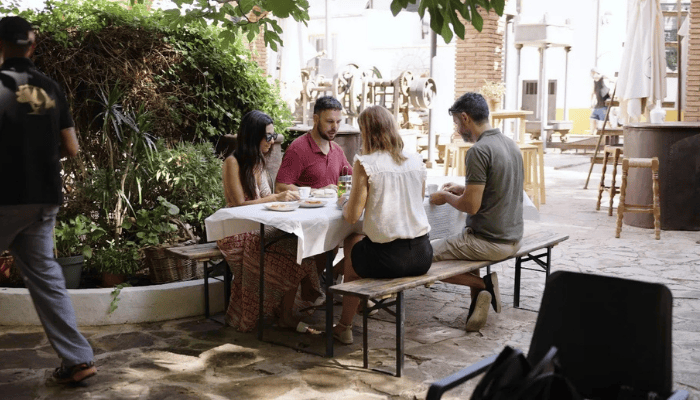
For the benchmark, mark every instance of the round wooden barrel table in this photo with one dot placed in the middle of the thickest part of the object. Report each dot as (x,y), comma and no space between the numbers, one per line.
(677,145)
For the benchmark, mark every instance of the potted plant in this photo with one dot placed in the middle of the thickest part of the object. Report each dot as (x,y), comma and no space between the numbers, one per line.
(72,246)
(493,92)
(116,260)
(155,230)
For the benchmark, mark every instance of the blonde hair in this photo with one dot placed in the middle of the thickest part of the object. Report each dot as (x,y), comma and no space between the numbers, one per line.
(380,133)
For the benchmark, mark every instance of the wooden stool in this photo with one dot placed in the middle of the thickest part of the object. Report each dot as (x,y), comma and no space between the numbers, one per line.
(450,157)
(531,176)
(540,156)
(615,152)
(655,209)
(455,153)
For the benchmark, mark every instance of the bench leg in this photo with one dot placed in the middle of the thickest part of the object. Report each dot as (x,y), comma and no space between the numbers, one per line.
(228,277)
(365,344)
(400,329)
(206,289)
(545,266)
(261,294)
(516,294)
(329,303)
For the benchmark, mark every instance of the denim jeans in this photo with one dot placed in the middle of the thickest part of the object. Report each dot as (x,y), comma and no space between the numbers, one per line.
(27,231)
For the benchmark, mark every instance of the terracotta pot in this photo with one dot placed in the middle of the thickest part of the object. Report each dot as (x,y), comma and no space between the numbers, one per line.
(111,280)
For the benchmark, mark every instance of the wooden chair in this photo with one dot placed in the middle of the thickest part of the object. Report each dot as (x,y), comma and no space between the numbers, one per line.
(615,152)
(655,208)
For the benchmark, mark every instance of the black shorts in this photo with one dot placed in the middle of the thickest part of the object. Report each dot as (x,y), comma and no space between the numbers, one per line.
(396,259)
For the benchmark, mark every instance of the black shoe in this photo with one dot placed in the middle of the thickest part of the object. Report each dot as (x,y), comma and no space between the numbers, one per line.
(75,373)
(471,308)
(491,282)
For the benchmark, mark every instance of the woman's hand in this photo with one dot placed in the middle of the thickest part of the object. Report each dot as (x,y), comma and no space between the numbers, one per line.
(342,200)
(287,195)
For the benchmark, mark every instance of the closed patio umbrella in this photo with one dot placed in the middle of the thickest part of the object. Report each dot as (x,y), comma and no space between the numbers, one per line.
(642,74)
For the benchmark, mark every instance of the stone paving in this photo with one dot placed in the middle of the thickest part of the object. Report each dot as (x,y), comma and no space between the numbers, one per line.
(200,359)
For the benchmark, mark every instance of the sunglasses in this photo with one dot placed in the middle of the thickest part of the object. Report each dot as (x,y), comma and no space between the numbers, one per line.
(270,137)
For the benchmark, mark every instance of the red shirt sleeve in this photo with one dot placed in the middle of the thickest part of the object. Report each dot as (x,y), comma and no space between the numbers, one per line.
(290,169)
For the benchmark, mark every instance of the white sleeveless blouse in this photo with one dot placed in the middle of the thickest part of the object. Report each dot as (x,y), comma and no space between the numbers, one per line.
(394,208)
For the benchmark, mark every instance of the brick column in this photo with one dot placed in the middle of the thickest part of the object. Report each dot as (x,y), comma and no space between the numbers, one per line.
(692,106)
(480,55)
(258,51)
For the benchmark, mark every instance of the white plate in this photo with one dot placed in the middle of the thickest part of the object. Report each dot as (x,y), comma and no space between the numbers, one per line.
(312,203)
(281,206)
(326,194)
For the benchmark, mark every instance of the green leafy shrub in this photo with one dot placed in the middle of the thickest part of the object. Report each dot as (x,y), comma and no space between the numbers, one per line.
(196,86)
(75,236)
(148,97)
(154,227)
(189,176)
(116,257)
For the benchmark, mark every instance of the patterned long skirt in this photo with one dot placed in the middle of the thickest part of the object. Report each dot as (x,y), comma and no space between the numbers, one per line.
(282,273)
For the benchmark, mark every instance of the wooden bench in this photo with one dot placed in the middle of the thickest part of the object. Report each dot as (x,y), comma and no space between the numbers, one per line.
(389,292)
(206,252)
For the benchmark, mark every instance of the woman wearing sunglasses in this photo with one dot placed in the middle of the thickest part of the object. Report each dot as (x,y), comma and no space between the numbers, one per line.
(246,182)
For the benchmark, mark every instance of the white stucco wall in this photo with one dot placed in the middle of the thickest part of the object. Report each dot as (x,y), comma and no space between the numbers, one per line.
(582,18)
(136,304)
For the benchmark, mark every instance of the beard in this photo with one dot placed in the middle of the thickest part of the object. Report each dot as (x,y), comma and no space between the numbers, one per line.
(326,135)
(467,137)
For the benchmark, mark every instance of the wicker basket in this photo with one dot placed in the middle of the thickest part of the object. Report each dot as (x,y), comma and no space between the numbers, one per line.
(165,268)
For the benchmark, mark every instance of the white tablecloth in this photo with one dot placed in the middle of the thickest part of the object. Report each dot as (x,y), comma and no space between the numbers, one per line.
(318,229)
(322,229)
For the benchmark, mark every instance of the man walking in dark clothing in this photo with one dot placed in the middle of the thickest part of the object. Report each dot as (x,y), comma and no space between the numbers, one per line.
(36,129)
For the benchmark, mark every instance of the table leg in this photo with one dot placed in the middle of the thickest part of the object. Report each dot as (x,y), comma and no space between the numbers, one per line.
(261,296)
(329,303)
(206,289)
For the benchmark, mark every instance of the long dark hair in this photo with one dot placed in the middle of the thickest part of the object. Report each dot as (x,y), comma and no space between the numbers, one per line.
(248,155)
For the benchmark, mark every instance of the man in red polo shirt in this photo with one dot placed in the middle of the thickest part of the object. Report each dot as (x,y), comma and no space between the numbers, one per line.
(313,159)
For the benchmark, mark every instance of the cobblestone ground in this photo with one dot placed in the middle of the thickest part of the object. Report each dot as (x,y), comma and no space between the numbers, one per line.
(200,359)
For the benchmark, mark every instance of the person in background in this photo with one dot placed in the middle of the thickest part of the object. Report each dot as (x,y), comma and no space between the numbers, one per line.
(246,182)
(388,186)
(601,93)
(36,129)
(493,199)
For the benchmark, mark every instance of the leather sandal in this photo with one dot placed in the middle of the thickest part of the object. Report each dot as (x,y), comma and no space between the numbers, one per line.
(303,327)
(344,337)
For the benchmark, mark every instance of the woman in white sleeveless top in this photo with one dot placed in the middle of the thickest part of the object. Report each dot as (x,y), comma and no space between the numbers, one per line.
(388,186)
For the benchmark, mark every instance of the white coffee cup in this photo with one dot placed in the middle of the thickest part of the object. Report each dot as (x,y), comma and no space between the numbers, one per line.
(431,188)
(304,192)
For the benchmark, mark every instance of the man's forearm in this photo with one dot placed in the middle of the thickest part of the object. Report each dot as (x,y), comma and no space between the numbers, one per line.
(462,203)
(281,187)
